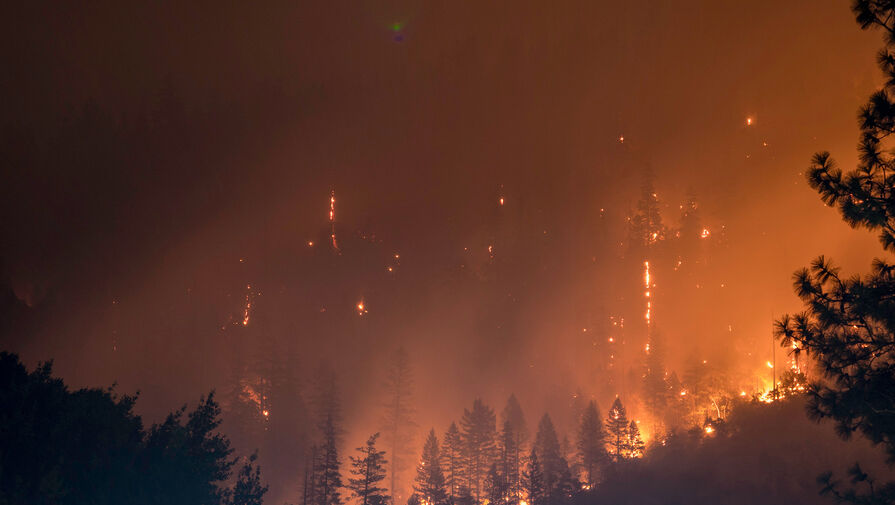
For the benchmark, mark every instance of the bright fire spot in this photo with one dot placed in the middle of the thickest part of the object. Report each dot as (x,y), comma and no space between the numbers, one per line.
(265,413)
(247,313)
(361,308)
(770,365)
(709,430)
(749,121)
(621,139)
(390,269)
(705,233)
(742,393)
(646,284)
(310,243)
(611,340)
(684,392)
(501,200)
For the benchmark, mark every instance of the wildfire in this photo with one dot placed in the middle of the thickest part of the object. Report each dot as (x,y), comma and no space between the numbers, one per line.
(332,219)
(646,284)
(705,233)
(361,308)
(248,309)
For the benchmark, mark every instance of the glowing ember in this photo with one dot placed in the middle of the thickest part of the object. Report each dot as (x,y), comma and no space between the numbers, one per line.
(332,219)
(248,309)
(705,233)
(646,284)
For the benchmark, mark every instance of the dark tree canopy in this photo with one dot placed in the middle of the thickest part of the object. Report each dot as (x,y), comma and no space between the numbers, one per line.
(848,325)
(87,446)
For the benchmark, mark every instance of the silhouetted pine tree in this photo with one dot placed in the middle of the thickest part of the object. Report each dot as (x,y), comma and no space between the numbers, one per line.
(495,486)
(397,422)
(592,444)
(554,467)
(452,461)
(478,434)
(635,446)
(328,474)
(429,481)
(368,470)
(534,480)
(508,449)
(514,438)
(617,430)
(248,489)
(848,325)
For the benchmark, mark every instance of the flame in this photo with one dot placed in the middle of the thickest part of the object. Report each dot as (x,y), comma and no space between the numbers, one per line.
(332,219)
(247,313)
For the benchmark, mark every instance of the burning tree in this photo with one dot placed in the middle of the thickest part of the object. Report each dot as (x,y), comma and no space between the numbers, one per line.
(617,428)
(848,324)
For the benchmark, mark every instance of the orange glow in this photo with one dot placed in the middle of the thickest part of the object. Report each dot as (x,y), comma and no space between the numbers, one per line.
(247,312)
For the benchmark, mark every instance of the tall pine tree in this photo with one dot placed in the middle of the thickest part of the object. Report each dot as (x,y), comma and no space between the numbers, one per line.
(592,444)
(452,462)
(534,480)
(848,325)
(635,446)
(328,474)
(514,438)
(368,470)
(617,430)
(479,434)
(398,423)
(429,482)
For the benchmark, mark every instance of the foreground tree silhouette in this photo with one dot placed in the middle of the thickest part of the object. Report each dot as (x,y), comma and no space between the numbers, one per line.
(479,433)
(328,474)
(533,480)
(592,443)
(452,462)
(429,481)
(848,325)
(368,470)
(88,446)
